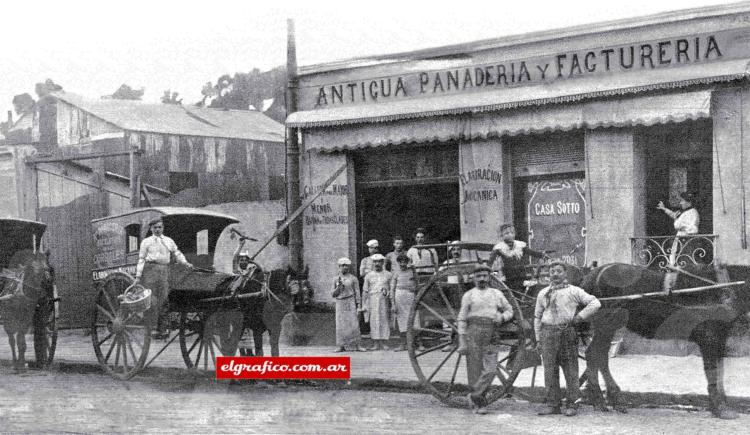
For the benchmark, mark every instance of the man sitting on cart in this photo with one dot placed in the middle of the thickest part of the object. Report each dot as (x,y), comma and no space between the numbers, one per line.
(156,253)
(481,309)
(244,269)
(515,257)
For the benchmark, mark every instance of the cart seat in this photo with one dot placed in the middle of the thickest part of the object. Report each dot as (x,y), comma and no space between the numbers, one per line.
(182,279)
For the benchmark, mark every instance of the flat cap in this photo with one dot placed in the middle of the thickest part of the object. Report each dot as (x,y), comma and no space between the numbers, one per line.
(481,267)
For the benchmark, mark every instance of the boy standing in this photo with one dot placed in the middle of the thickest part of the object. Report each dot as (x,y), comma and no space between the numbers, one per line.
(555,318)
(391,258)
(403,288)
(515,256)
(346,294)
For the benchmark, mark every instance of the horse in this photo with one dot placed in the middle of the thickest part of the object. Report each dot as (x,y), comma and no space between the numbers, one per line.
(24,303)
(287,292)
(704,318)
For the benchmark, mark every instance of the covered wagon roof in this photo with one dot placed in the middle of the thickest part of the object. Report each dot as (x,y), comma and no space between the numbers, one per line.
(176,211)
(179,120)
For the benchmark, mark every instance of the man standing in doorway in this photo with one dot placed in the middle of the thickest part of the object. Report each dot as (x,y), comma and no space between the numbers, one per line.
(375,293)
(391,258)
(422,260)
(365,266)
(156,253)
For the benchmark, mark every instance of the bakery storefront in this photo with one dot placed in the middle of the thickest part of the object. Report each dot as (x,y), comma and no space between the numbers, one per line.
(574,135)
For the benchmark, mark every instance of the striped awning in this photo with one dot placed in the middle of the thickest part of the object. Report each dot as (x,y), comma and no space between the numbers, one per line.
(563,107)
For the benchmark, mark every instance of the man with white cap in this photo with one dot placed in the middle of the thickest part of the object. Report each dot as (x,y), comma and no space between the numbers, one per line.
(481,308)
(375,302)
(346,294)
(244,268)
(373,247)
(365,266)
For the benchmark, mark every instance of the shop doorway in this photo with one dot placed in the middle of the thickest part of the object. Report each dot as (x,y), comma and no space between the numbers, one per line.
(383,212)
(400,189)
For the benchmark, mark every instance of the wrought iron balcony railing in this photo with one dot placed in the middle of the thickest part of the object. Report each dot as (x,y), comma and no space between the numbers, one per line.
(661,251)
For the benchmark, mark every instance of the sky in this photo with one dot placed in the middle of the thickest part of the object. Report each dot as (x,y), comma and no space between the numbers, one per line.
(91,48)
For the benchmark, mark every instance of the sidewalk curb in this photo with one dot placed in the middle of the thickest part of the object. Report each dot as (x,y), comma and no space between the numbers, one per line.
(182,375)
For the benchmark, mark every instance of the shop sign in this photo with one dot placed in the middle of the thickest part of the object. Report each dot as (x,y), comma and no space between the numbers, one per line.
(330,209)
(557,218)
(109,242)
(638,56)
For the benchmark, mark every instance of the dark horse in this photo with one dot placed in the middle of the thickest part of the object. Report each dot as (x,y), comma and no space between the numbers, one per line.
(287,292)
(704,317)
(26,291)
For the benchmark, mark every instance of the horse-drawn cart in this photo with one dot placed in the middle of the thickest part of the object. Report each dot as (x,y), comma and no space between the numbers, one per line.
(697,303)
(206,314)
(27,293)
(432,340)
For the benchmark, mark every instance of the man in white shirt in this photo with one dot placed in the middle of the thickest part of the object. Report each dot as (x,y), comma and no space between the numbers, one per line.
(422,260)
(555,317)
(481,309)
(156,253)
(365,266)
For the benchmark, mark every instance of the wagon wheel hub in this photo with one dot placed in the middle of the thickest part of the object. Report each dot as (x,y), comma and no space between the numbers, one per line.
(118,326)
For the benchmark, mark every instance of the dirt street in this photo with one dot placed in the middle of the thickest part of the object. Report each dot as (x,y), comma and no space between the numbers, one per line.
(176,401)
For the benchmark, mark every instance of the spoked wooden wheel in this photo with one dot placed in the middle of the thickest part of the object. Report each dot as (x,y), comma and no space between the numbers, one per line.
(206,335)
(439,367)
(518,337)
(433,329)
(121,338)
(45,333)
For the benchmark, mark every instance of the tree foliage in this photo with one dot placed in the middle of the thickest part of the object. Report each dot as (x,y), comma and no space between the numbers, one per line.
(248,91)
(42,89)
(23,103)
(170,97)
(125,92)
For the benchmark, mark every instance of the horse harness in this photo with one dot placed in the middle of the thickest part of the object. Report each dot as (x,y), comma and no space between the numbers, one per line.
(16,277)
(265,284)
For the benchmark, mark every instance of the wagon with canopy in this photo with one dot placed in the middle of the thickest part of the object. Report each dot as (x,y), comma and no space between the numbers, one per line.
(206,314)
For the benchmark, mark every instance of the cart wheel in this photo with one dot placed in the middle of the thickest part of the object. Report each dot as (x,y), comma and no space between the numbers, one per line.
(121,339)
(45,334)
(438,365)
(204,335)
(436,305)
(518,336)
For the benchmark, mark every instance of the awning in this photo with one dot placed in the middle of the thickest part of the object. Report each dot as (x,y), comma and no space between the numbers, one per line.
(482,115)
(646,110)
